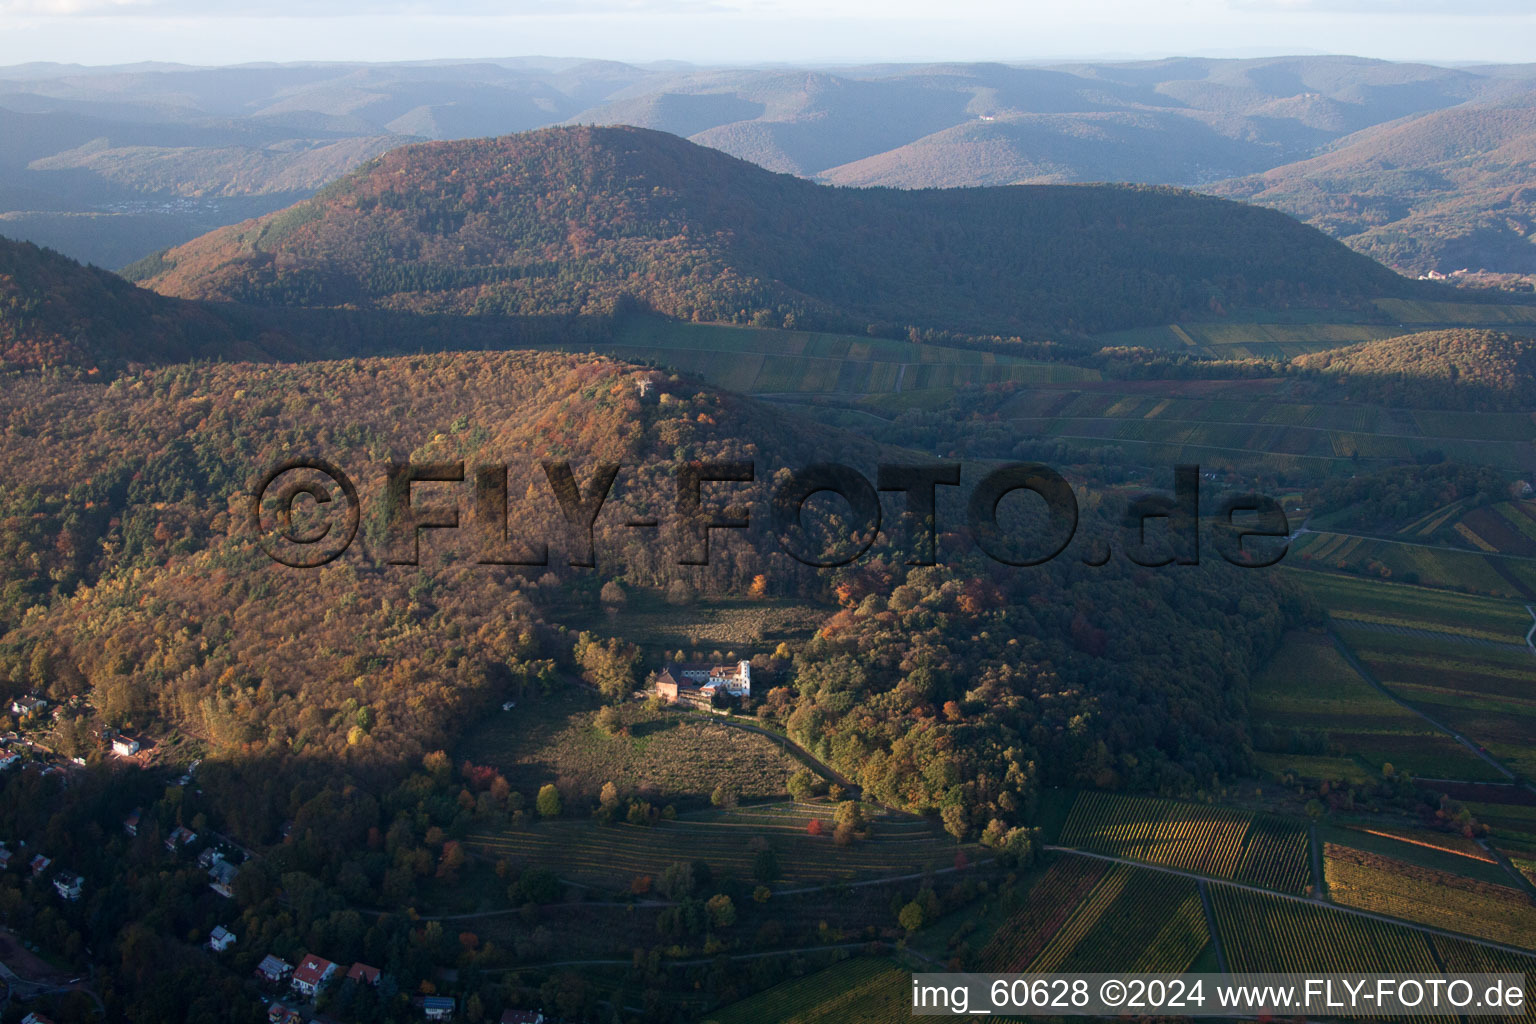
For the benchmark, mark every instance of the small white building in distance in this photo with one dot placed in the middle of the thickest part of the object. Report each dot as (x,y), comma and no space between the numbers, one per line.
(220,939)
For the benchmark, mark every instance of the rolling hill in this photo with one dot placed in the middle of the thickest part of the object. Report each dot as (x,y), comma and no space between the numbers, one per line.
(592,220)
(110,164)
(1449,190)
(54,311)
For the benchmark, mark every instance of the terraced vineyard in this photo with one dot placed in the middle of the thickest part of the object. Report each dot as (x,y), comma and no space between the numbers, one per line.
(728,841)
(1437,898)
(1265,851)
(1308,689)
(1132,920)
(1270,933)
(865,990)
(1050,902)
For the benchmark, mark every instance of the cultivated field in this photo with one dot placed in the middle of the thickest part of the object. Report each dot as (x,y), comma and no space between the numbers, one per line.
(1217,841)
(1398,604)
(1485,693)
(1132,920)
(663,756)
(1308,688)
(1437,898)
(729,841)
(759,360)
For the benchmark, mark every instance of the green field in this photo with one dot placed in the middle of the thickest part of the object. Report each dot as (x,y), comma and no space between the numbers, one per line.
(1398,604)
(1239,340)
(1415,563)
(1413,312)
(1253,425)
(729,841)
(1308,688)
(664,756)
(1216,841)
(1438,851)
(759,360)
(1485,693)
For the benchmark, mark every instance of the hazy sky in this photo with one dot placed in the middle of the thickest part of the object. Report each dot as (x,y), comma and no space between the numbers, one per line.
(733,31)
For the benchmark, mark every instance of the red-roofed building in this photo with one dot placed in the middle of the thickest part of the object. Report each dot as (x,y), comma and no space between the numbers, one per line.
(312,973)
(363,974)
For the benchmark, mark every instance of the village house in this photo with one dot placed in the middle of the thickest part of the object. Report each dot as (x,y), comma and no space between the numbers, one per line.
(363,974)
(8,760)
(312,974)
(437,1007)
(131,823)
(36,1018)
(39,864)
(272,969)
(220,939)
(68,885)
(5,857)
(24,706)
(124,745)
(522,1017)
(697,683)
(180,836)
(221,877)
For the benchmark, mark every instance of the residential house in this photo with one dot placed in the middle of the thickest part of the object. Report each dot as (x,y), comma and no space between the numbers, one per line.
(9,760)
(208,858)
(312,974)
(68,885)
(39,864)
(437,1007)
(131,823)
(697,683)
(180,836)
(24,706)
(124,745)
(221,878)
(220,939)
(272,969)
(36,1018)
(522,1017)
(5,857)
(363,974)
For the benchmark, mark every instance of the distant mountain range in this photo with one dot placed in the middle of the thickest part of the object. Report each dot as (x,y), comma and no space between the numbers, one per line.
(570,221)
(110,164)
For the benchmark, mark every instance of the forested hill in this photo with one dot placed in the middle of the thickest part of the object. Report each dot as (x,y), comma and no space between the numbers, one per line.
(1460,369)
(586,220)
(54,311)
(1448,190)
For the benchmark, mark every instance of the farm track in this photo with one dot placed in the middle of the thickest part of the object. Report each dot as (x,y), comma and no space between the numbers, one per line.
(1370,677)
(1245,887)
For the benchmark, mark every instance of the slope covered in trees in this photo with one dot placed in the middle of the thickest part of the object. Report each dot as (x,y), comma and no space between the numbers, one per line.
(133,579)
(1452,189)
(1461,369)
(587,220)
(54,311)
